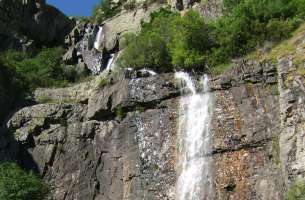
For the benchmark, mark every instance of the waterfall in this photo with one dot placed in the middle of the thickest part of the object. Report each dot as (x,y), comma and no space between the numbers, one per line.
(194,141)
(99,38)
(110,62)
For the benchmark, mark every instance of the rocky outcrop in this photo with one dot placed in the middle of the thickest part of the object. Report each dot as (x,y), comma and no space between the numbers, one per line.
(94,45)
(292,110)
(115,137)
(93,150)
(246,126)
(117,140)
(30,23)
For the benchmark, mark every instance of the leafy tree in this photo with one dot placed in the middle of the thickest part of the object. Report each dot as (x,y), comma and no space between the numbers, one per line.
(150,47)
(170,40)
(13,88)
(191,40)
(42,70)
(17,184)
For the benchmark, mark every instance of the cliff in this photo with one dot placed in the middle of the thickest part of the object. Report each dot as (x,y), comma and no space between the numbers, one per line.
(118,141)
(25,25)
(116,136)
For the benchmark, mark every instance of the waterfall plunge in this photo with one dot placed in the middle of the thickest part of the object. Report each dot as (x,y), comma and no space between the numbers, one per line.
(99,39)
(194,140)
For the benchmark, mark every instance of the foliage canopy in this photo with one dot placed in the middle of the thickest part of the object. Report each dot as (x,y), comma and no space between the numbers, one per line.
(170,40)
(17,184)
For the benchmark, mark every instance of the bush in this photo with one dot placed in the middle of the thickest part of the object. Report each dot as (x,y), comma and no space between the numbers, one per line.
(191,40)
(16,184)
(251,22)
(169,41)
(296,192)
(13,88)
(103,11)
(42,70)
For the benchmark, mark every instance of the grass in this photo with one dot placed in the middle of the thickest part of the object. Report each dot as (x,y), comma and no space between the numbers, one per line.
(103,82)
(284,48)
(119,112)
(296,192)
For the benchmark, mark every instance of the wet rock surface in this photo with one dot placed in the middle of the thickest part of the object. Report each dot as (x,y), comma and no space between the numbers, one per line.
(118,141)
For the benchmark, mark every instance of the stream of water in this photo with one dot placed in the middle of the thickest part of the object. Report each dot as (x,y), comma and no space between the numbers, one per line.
(99,39)
(194,140)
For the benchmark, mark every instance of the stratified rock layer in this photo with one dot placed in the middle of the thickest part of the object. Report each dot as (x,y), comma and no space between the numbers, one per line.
(118,140)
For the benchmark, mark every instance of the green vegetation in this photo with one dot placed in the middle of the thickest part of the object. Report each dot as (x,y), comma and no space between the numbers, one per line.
(44,69)
(168,40)
(296,192)
(171,41)
(103,11)
(103,82)
(17,184)
(119,112)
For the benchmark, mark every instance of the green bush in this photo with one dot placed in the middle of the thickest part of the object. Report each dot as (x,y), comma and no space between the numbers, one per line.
(252,22)
(42,70)
(13,88)
(103,11)
(16,184)
(170,40)
(296,192)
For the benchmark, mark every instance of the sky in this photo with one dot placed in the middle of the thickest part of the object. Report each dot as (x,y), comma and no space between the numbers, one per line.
(74,7)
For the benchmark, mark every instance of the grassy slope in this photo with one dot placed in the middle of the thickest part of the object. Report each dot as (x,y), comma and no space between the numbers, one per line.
(294,46)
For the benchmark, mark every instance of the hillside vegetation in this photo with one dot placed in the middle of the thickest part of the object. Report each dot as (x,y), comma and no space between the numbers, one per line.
(17,184)
(172,41)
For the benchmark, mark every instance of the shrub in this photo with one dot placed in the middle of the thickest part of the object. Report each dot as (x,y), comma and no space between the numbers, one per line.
(42,70)
(103,11)
(296,192)
(102,82)
(16,184)
(191,40)
(170,41)
(119,112)
(13,88)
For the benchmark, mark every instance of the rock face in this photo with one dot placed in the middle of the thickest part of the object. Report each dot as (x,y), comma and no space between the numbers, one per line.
(27,23)
(93,44)
(118,140)
(115,137)
(109,147)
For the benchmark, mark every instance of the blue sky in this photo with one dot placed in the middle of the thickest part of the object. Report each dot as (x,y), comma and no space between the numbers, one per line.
(74,7)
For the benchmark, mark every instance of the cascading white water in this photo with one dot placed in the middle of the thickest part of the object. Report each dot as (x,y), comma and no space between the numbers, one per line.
(99,38)
(194,141)
(110,62)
